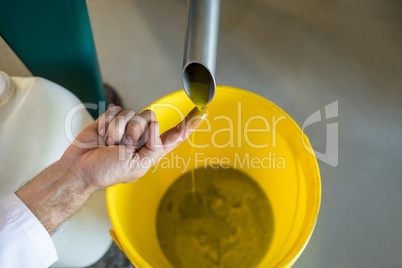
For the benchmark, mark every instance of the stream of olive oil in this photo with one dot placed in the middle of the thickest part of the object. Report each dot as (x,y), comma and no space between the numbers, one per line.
(193,158)
(199,93)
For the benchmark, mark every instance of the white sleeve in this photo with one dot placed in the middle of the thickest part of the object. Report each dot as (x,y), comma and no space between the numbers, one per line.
(24,242)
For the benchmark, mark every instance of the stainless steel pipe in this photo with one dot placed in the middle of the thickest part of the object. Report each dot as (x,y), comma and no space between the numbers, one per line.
(201,42)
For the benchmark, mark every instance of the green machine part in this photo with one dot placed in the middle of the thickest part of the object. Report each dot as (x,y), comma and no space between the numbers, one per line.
(53,38)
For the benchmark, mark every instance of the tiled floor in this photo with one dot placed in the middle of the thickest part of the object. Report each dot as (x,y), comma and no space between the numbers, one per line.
(302,55)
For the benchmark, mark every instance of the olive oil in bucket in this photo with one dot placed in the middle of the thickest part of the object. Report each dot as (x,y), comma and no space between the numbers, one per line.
(231,225)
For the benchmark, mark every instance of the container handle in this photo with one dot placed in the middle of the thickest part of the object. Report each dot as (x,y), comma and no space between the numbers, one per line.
(116,240)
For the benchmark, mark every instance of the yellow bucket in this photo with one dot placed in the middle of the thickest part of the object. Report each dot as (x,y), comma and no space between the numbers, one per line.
(251,134)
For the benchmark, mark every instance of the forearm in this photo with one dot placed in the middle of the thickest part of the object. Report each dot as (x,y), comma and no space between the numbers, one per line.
(55,194)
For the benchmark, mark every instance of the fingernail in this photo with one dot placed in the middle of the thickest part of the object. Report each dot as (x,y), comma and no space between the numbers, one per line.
(102,132)
(110,141)
(197,116)
(113,107)
(129,140)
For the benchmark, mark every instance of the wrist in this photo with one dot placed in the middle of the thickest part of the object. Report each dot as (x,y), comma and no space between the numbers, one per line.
(55,194)
(75,173)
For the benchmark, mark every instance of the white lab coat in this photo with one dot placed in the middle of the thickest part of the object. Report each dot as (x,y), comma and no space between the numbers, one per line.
(42,108)
(24,242)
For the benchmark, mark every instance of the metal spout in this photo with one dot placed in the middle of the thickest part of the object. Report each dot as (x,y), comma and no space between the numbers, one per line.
(200,49)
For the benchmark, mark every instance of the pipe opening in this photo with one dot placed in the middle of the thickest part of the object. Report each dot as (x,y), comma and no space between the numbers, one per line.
(198,83)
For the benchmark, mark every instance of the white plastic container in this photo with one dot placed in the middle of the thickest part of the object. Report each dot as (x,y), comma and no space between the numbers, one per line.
(32,136)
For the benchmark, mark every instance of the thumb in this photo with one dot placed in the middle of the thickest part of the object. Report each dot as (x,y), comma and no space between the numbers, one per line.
(176,135)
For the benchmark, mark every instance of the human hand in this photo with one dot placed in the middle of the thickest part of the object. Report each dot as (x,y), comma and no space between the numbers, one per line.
(91,163)
(99,160)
